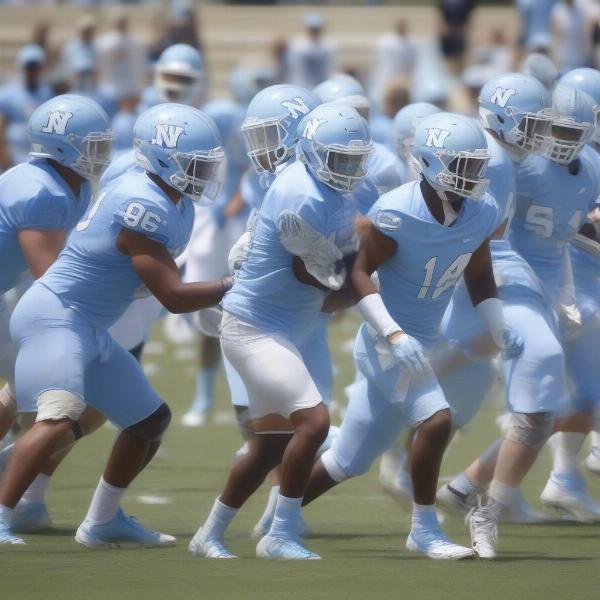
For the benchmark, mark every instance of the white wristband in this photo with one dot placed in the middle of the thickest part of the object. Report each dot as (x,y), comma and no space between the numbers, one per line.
(374,312)
(492,313)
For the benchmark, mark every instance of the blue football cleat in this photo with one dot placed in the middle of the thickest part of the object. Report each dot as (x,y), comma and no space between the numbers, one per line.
(283,549)
(7,537)
(30,516)
(121,532)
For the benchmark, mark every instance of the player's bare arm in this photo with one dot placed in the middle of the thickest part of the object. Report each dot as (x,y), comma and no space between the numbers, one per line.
(159,273)
(41,248)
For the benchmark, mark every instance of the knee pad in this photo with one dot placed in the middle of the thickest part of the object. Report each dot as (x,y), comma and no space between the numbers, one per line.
(332,435)
(152,428)
(333,468)
(7,400)
(55,405)
(530,429)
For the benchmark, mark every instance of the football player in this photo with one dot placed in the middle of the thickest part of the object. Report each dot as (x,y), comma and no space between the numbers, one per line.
(421,238)
(43,199)
(304,230)
(125,243)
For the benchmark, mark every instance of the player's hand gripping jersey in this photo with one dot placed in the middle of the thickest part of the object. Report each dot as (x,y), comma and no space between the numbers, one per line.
(91,275)
(266,292)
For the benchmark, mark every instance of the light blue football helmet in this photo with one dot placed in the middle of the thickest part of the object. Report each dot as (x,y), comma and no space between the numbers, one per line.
(179,74)
(271,121)
(74,131)
(452,154)
(517,107)
(347,90)
(588,81)
(405,122)
(334,142)
(246,82)
(573,123)
(182,146)
(228,117)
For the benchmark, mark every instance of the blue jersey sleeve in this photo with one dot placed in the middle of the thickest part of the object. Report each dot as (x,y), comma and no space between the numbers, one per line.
(144,217)
(43,212)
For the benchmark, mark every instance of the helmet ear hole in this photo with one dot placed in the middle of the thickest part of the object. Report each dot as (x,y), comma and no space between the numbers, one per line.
(425,162)
(500,118)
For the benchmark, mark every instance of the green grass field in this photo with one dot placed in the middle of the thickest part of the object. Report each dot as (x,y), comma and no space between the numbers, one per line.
(359,531)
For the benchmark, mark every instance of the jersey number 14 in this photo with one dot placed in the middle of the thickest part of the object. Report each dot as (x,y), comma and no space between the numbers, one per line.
(447,280)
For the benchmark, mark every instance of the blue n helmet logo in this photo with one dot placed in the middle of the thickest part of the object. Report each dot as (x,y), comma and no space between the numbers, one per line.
(57,122)
(166,136)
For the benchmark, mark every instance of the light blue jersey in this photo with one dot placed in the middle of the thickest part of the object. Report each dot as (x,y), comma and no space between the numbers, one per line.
(552,203)
(16,105)
(385,172)
(266,292)
(119,165)
(417,282)
(33,196)
(91,275)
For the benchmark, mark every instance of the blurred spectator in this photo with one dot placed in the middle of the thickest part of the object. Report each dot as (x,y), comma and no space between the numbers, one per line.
(122,62)
(17,101)
(396,95)
(41,37)
(497,56)
(311,58)
(571,35)
(81,46)
(83,79)
(279,53)
(453,35)
(395,55)
(535,17)
(181,28)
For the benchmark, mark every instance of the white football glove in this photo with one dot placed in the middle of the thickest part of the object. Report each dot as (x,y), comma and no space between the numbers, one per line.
(409,354)
(320,255)
(239,253)
(570,320)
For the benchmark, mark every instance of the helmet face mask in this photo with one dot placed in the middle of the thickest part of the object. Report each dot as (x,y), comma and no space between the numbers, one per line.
(568,139)
(265,142)
(96,156)
(178,87)
(462,173)
(342,167)
(199,174)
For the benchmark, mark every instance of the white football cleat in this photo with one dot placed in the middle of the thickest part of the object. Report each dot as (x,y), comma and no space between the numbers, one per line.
(193,418)
(482,521)
(433,543)
(275,548)
(394,478)
(7,536)
(571,498)
(208,548)
(592,461)
(453,502)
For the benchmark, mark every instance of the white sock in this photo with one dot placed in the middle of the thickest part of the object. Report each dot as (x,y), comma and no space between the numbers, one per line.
(105,503)
(287,515)
(565,447)
(423,515)
(463,485)
(218,520)
(502,493)
(6,514)
(36,491)
(271,504)
(595,439)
